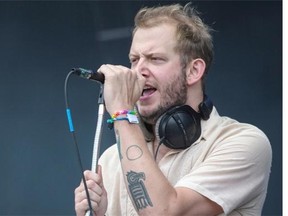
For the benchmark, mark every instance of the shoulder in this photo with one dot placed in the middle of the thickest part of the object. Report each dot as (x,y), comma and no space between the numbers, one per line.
(239,139)
(246,135)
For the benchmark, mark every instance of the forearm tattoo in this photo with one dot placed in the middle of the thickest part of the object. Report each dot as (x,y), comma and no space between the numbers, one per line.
(134,152)
(138,190)
(118,144)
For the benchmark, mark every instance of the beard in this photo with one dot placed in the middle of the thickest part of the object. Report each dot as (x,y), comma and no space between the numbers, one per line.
(175,94)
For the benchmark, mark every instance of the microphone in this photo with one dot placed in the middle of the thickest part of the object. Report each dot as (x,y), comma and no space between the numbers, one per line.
(89,74)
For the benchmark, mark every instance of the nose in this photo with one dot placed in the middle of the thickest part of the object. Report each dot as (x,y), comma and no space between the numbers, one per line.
(142,67)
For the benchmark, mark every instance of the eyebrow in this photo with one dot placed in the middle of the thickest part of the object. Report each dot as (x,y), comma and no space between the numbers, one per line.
(146,55)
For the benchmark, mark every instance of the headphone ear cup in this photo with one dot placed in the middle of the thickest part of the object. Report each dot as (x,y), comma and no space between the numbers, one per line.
(178,128)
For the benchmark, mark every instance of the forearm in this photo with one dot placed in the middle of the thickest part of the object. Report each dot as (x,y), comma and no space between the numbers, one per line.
(148,188)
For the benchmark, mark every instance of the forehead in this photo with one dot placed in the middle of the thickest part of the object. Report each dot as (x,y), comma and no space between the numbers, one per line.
(154,39)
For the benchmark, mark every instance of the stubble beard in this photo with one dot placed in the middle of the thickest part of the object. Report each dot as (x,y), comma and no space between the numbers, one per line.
(175,95)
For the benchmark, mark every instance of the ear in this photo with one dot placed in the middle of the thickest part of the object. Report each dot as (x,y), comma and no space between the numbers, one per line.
(195,71)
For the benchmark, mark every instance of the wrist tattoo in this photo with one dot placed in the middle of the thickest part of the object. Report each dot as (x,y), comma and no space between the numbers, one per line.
(138,190)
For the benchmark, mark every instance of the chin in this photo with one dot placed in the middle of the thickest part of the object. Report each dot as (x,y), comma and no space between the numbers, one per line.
(143,112)
(151,117)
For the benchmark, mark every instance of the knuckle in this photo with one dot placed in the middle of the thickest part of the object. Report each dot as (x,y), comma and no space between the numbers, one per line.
(91,184)
(79,208)
(76,191)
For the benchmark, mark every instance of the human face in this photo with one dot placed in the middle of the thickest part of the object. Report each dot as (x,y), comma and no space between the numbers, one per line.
(153,54)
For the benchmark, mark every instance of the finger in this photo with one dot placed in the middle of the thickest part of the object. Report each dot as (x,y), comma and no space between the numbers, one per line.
(121,70)
(121,67)
(90,175)
(92,195)
(80,194)
(109,68)
(92,186)
(99,171)
(125,72)
(79,189)
(106,69)
(96,188)
(95,197)
(82,207)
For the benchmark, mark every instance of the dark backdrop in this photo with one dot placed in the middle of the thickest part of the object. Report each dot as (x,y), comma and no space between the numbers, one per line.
(40,41)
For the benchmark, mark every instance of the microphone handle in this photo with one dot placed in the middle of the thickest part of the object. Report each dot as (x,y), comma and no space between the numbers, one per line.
(89,74)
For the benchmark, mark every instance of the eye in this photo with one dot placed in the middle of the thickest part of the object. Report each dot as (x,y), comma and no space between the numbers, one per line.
(156,59)
(133,60)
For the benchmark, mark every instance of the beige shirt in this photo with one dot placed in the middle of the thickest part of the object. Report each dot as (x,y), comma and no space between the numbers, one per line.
(230,164)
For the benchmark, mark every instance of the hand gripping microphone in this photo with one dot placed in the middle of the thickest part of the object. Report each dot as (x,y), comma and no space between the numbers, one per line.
(89,74)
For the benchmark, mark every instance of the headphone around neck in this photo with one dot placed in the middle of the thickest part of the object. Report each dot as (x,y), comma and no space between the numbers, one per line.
(180,126)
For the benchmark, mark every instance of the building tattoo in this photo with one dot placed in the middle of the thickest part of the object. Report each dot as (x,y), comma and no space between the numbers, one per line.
(137,190)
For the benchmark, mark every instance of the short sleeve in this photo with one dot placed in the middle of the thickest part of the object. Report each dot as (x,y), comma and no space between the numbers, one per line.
(234,171)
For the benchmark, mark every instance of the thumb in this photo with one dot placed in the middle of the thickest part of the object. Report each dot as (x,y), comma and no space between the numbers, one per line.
(99,172)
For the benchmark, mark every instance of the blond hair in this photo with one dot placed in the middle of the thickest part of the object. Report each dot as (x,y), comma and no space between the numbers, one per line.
(193,36)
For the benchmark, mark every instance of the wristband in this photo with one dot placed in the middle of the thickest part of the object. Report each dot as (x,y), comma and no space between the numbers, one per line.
(130,116)
(123,112)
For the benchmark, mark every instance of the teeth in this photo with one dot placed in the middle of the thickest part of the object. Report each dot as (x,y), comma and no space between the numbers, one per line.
(147,87)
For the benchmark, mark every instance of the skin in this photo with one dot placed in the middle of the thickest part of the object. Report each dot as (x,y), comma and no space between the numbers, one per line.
(160,65)
(154,65)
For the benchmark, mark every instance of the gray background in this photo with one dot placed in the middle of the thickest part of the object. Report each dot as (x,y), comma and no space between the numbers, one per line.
(40,41)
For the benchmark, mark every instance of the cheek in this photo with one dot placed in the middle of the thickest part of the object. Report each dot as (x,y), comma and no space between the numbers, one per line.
(171,81)
(167,74)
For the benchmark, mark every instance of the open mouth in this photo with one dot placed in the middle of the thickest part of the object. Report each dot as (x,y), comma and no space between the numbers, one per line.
(148,91)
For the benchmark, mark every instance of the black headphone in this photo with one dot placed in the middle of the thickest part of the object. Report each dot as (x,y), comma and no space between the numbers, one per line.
(180,126)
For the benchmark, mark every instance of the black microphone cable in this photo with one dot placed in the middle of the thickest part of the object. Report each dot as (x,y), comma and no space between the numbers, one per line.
(71,128)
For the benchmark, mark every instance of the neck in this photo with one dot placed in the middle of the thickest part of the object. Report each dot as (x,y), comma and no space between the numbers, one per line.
(159,151)
(195,97)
